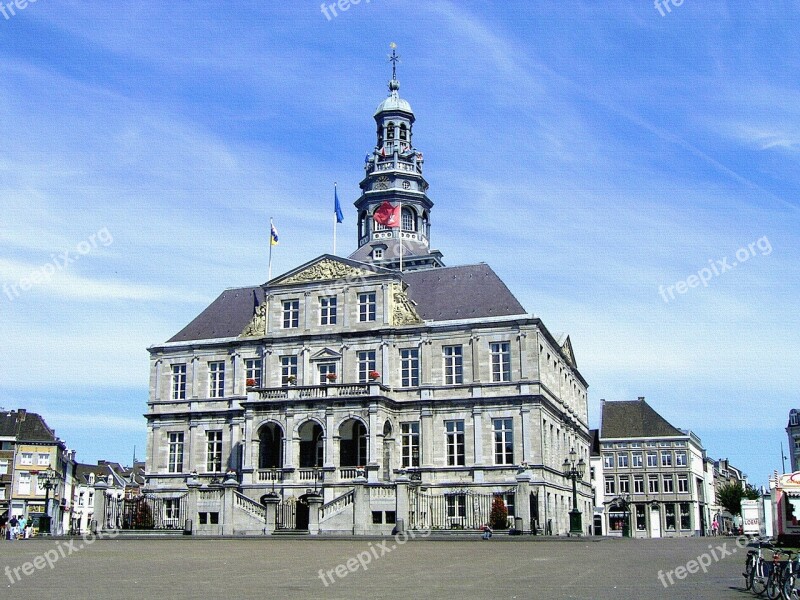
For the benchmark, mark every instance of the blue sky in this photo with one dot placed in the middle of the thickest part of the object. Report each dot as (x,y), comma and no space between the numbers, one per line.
(590,152)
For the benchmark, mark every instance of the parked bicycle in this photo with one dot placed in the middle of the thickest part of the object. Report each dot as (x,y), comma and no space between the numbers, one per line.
(791,579)
(778,574)
(757,569)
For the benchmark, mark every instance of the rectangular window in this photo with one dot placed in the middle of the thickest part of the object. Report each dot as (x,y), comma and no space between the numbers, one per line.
(24,484)
(39,485)
(213,451)
(453,365)
(291,314)
(176,452)
(501,361)
(366,364)
(669,484)
(172,513)
(43,460)
(641,521)
(666,458)
(179,382)
(3,466)
(327,373)
(409,367)
(611,487)
(455,443)
(503,441)
(681,459)
(2,493)
(636,459)
(409,440)
(669,513)
(327,310)
(510,499)
(456,506)
(653,484)
(366,307)
(683,484)
(622,460)
(26,458)
(608,461)
(253,370)
(624,485)
(288,369)
(652,459)
(216,379)
(638,485)
(686,520)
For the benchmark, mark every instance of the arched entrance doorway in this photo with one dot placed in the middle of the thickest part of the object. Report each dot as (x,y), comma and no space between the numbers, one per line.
(302,515)
(312,445)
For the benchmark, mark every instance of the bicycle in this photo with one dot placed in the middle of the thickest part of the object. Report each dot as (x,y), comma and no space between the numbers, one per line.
(756,568)
(791,579)
(778,574)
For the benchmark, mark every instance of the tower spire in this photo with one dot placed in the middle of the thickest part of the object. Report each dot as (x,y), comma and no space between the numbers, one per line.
(394,59)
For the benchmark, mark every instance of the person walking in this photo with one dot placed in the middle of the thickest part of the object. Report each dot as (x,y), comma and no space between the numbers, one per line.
(22,522)
(12,528)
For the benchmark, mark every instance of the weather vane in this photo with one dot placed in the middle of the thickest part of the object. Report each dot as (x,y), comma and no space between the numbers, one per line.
(394,59)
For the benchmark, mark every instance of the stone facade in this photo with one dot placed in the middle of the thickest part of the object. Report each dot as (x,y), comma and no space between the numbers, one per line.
(369,386)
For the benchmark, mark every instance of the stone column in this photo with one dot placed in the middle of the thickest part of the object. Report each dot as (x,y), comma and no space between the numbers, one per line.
(401,503)
(229,487)
(237,367)
(99,514)
(387,303)
(372,450)
(330,450)
(195,377)
(475,342)
(385,377)
(361,511)
(314,506)
(191,503)
(157,386)
(307,311)
(526,430)
(477,443)
(522,500)
(271,509)
(523,356)
(289,442)
(306,376)
(426,432)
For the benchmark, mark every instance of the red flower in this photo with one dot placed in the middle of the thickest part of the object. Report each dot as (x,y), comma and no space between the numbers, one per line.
(251,382)
(331,376)
(374,375)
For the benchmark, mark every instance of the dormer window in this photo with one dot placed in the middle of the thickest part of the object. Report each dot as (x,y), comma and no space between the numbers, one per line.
(377,254)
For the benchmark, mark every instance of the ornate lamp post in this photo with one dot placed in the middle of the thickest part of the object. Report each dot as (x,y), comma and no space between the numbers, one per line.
(573,470)
(48,479)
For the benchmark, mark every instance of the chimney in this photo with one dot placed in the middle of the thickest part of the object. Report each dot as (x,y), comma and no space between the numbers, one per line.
(641,398)
(21,412)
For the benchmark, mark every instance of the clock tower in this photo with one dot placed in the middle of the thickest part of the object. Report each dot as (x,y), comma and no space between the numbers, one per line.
(394,175)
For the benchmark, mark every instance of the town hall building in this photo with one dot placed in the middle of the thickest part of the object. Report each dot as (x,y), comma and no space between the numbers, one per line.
(362,394)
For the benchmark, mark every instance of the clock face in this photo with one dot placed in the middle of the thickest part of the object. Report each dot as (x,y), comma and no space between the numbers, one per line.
(406,185)
(382,183)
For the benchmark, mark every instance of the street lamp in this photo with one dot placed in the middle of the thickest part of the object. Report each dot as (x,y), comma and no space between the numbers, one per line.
(573,470)
(48,479)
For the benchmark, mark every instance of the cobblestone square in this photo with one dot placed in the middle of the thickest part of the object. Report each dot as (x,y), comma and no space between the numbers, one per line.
(502,567)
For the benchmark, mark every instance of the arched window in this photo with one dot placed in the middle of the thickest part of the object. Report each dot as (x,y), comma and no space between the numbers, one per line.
(362,224)
(270,447)
(312,445)
(352,444)
(390,131)
(409,221)
(403,132)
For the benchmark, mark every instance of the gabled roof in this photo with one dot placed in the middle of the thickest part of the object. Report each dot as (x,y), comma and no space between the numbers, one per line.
(466,292)
(439,294)
(633,419)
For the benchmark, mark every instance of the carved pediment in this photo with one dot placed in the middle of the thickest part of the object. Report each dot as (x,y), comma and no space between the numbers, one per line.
(566,348)
(326,354)
(403,309)
(326,270)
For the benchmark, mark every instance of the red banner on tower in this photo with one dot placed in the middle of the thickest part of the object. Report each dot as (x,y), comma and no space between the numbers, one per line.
(387,215)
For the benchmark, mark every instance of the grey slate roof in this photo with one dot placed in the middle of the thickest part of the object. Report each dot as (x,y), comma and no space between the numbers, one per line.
(633,419)
(227,316)
(440,294)
(468,292)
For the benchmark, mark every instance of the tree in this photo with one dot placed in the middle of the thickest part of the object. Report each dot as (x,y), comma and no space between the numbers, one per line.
(498,519)
(730,495)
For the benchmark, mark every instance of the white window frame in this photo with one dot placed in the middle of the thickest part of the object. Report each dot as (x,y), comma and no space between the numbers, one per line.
(291,314)
(26,458)
(214,451)
(409,367)
(453,358)
(608,461)
(367,307)
(24,483)
(503,430)
(455,443)
(367,361)
(681,458)
(683,484)
(175,444)
(409,441)
(288,367)
(667,484)
(636,460)
(638,485)
(324,369)
(666,458)
(611,486)
(216,379)
(500,361)
(654,456)
(179,381)
(254,369)
(622,460)
(327,310)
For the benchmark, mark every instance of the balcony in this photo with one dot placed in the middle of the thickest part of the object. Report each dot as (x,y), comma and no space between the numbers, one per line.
(313,392)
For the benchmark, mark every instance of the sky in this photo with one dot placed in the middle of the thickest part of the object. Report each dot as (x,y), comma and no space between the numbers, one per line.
(630,170)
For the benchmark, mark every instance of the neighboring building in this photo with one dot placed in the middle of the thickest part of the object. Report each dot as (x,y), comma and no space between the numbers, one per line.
(653,475)
(370,370)
(37,449)
(793,432)
(724,474)
(599,522)
(87,476)
(8,439)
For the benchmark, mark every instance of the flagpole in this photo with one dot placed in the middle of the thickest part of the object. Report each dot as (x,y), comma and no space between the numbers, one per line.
(269,274)
(335,218)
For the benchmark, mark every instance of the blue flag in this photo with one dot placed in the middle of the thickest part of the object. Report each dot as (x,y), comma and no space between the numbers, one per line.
(337,208)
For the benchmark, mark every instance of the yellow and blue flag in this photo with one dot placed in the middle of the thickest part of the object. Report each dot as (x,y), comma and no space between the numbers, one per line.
(273,235)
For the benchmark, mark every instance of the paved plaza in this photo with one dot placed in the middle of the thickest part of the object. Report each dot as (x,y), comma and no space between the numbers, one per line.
(502,567)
